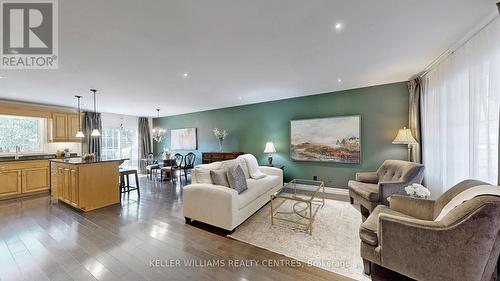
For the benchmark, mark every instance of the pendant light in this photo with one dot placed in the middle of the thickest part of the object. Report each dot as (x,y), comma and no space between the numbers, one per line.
(158,132)
(95,132)
(79,134)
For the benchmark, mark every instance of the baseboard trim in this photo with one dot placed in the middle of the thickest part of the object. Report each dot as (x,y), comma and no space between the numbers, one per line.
(337,191)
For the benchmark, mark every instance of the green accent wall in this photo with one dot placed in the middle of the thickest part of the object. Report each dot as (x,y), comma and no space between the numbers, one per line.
(383,110)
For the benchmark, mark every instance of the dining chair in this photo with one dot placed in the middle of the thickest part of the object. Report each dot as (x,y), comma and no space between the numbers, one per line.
(188,163)
(175,165)
(151,166)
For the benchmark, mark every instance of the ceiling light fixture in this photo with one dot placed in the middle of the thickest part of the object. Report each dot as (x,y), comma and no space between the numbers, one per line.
(185,75)
(339,80)
(158,132)
(79,134)
(1,77)
(95,132)
(338,26)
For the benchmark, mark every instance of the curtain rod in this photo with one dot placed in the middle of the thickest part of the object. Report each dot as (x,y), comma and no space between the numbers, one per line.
(487,21)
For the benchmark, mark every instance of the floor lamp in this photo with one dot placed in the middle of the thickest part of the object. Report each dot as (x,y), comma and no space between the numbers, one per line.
(405,137)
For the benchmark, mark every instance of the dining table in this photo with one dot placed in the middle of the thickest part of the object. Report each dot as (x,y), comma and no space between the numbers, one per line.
(162,163)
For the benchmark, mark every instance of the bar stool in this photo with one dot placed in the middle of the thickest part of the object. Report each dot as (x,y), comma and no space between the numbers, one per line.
(125,187)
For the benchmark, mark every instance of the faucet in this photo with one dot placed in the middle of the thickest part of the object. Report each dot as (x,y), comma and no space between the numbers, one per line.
(18,150)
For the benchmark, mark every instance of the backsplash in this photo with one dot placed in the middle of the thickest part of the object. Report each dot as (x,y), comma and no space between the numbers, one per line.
(72,146)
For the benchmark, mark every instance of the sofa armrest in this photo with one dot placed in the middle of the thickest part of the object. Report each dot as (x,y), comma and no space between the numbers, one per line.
(418,208)
(423,250)
(271,171)
(389,188)
(367,177)
(213,204)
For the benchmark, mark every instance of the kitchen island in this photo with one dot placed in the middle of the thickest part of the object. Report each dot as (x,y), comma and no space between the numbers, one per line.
(86,184)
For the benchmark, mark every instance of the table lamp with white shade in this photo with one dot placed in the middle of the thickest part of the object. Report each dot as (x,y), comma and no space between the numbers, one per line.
(270,150)
(405,137)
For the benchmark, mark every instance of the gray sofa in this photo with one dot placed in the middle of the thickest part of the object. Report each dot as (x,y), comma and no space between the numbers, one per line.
(373,188)
(463,245)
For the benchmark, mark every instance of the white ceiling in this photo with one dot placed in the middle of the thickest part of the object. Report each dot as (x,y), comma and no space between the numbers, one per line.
(237,51)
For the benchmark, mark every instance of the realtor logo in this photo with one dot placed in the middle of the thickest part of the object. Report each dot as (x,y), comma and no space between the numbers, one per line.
(29,34)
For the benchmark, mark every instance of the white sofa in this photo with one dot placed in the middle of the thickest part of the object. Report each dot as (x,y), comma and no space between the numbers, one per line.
(222,206)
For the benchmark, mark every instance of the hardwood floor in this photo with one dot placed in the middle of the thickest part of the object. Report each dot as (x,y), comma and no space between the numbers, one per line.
(40,240)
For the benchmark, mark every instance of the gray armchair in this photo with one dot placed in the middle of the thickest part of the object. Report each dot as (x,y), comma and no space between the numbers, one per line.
(463,245)
(373,189)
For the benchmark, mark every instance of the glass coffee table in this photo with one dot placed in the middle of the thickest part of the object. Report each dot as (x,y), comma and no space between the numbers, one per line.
(298,202)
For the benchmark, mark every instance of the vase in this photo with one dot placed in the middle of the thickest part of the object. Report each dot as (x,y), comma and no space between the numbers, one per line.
(221,142)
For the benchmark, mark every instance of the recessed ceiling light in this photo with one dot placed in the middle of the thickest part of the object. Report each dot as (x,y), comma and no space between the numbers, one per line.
(240,98)
(185,75)
(338,26)
(1,77)
(339,80)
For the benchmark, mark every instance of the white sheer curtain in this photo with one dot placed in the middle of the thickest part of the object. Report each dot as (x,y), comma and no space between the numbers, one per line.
(460,113)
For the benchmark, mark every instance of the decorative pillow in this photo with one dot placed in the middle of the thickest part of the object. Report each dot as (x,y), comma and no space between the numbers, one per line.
(219,177)
(244,167)
(236,179)
(202,172)
(253,166)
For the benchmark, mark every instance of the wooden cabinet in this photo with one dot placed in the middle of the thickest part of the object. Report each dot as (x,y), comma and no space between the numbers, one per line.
(59,127)
(73,127)
(24,177)
(11,183)
(88,186)
(64,127)
(36,179)
(73,187)
(68,184)
(209,157)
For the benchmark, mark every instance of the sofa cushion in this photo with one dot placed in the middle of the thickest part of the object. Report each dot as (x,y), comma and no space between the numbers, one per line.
(202,172)
(257,188)
(369,228)
(219,177)
(267,183)
(236,179)
(368,191)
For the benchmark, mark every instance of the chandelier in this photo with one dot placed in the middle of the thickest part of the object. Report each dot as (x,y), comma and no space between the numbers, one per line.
(158,133)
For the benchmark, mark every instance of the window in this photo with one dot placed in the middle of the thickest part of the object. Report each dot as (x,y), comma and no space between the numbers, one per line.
(121,142)
(25,132)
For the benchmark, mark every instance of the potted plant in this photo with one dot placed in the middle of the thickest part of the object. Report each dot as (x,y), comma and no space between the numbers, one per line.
(221,135)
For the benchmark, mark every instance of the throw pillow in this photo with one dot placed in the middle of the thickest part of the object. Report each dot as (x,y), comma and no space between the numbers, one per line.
(253,166)
(244,166)
(201,173)
(236,179)
(219,177)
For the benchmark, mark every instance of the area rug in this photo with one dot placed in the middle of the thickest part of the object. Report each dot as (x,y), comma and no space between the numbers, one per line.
(333,245)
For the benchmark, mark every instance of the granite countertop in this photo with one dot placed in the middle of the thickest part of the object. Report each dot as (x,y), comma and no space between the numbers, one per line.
(79,160)
(33,157)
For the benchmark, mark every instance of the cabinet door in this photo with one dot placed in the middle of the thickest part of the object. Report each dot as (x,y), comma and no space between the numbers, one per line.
(73,127)
(59,127)
(73,187)
(11,182)
(66,190)
(36,179)
(60,183)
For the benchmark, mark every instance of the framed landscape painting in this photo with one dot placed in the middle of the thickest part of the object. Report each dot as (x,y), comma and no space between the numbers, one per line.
(334,139)
(183,139)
